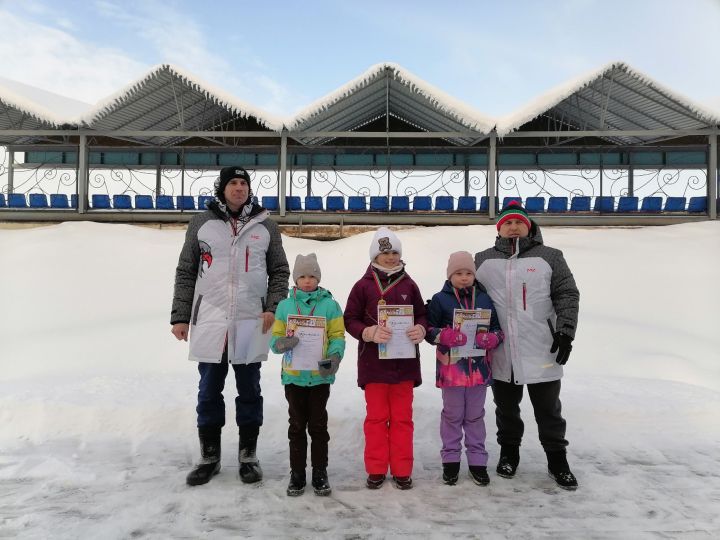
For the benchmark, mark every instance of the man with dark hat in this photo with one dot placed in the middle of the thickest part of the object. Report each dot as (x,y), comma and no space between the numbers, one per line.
(537,303)
(231,275)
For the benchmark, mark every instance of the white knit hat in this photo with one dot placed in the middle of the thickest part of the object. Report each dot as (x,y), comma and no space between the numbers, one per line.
(384,241)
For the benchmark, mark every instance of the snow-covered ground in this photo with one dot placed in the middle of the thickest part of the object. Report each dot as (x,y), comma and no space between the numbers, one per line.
(97,399)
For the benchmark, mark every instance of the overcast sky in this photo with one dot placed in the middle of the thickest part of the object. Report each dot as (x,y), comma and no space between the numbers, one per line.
(281,55)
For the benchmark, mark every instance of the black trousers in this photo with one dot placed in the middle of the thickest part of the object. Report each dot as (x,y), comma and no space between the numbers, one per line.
(545,399)
(308,414)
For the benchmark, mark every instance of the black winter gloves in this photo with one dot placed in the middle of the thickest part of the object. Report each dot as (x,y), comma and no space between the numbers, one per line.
(563,344)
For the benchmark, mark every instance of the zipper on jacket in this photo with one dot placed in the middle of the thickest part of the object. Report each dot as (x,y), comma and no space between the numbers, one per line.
(247,257)
(524,297)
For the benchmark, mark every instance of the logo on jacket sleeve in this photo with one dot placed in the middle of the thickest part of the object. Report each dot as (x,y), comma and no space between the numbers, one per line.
(205,257)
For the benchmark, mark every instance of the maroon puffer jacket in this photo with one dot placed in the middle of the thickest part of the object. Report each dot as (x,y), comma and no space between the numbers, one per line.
(361,312)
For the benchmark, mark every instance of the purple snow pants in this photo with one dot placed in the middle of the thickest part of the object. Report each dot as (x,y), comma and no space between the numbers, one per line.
(463,409)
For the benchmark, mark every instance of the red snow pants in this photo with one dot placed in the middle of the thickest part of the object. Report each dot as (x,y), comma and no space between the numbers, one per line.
(389,428)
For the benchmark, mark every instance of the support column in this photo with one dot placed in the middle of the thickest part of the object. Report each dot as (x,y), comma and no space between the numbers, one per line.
(713,176)
(631,181)
(82,176)
(467,174)
(308,184)
(283,170)
(492,173)
(11,170)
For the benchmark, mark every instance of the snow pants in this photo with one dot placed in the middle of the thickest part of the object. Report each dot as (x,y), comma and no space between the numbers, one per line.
(389,428)
(308,414)
(545,399)
(463,411)
(248,403)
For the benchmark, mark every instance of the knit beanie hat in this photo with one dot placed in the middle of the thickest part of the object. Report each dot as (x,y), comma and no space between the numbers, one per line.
(514,210)
(306,265)
(384,240)
(227,174)
(460,260)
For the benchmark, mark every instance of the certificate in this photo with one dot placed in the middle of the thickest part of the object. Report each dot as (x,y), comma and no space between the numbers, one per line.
(470,322)
(399,319)
(311,333)
(250,345)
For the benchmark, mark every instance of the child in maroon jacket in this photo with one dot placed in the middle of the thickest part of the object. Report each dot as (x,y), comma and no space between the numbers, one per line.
(388,383)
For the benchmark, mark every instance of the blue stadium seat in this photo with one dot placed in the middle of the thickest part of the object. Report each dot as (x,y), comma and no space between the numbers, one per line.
(628,204)
(508,200)
(204,199)
(3,204)
(485,204)
(313,203)
(444,203)
(557,205)
(73,200)
(535,205)
(59,200)
(293,203)
(467,203)
(271,202)
(580,204)
(674,204)
(144,202)
(17,200)
(185,202)
(122,202)
(604,203)
(697,205)
(651,204)
(378,204)
(335,203)
(101,201)
(400,203)
(422,203)
(38,200)
(356,203)
(164,202)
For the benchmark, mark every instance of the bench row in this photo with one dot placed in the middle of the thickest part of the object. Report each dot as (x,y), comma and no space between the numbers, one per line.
(358,203)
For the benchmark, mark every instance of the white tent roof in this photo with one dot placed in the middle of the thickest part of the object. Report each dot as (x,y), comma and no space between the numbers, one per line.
(615,96)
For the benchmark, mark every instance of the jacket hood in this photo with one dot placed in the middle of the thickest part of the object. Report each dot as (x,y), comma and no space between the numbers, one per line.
(309,298)
(219,208)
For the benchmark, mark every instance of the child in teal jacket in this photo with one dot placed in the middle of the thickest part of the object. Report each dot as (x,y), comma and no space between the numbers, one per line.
(307,390)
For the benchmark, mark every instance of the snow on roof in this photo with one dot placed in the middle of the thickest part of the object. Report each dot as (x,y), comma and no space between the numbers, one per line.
(216,95)
(454,108)
(21,103)
(550,99)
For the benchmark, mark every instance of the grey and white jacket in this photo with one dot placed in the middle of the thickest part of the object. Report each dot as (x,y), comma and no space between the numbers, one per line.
(229,272)
(529,283)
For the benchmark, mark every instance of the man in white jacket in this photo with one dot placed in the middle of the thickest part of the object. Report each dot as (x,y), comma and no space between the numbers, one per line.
(537,303)
(231,275)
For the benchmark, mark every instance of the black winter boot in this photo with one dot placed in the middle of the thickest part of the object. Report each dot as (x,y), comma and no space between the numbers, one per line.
(296,487)
(250,471)
(559,470)
(209,465)
(479,475)
(509,460)
(451,471)
(320,483)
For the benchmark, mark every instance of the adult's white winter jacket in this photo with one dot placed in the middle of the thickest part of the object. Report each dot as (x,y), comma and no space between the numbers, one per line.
(529,283)
(229,272)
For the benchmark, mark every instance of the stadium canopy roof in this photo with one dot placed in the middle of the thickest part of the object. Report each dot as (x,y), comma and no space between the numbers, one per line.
(615,97)
(389,90)
(183,108)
